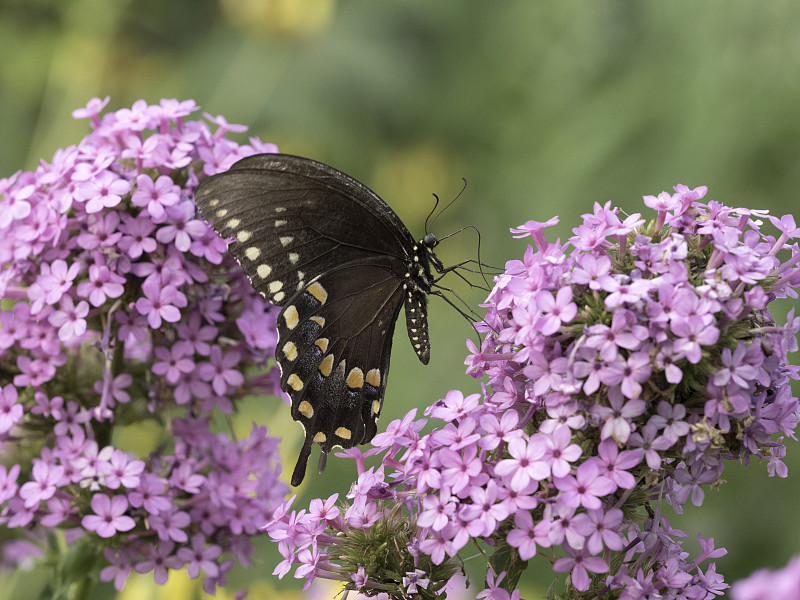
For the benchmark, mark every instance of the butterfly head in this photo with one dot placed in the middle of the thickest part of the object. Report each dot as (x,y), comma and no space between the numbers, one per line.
(428,243)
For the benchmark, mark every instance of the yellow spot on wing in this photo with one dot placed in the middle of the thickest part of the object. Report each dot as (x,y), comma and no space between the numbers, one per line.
(316,290)
(290,350)
(306,409)
(374,377)
(291,317)
(376,407)
(320,438)
(318,320)
(344,433)
(355,379)
(326,365)
(322,344)
(295,382)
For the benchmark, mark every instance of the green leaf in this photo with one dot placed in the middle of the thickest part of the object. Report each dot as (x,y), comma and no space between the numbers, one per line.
(76,569)
(505,558)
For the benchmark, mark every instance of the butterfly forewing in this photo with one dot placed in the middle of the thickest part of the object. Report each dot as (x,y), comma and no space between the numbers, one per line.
(340,263)
(293,219)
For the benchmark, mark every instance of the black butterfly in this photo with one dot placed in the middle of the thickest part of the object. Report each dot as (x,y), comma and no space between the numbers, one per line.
(340,263)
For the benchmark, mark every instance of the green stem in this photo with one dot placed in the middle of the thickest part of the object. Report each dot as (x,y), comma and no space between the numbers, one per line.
(80,590)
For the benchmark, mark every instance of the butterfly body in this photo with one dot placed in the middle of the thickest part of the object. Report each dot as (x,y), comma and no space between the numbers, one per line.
(340,264)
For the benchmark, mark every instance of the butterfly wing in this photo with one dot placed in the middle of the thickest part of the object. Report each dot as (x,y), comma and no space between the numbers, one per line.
(334,345)
(336,258)
(292,219)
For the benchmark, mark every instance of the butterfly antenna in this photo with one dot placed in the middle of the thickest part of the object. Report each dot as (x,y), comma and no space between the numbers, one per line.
(430,214)
(458,195)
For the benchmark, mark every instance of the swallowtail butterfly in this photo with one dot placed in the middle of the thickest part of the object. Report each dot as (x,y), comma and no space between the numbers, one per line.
(340,264)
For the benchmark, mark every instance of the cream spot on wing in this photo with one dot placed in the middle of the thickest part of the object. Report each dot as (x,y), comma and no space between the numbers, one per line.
(263,271)
(233,223)
(376,407)
(222,212)
(374,377)
(275,286)
(291,317)
(285,240)
(290,350)
(279,296)
(316,290)
(294,257)
(326,366)
(252,253)
(244,235)
(355,379)
(280,223)
(295,382)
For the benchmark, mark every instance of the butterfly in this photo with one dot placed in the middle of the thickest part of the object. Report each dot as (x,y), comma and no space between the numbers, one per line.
(341,264)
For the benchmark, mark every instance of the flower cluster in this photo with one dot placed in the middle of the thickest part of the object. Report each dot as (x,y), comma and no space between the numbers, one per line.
(623,368)
(121,309)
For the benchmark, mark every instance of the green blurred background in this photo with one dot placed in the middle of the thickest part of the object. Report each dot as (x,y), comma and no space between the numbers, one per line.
(544,107)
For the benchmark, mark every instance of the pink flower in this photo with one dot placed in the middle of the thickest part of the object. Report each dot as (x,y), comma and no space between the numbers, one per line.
(46,478)
(586,487)
(70,320)
(160,303)
(580,563)
(221,371)
(103,191)
(526,463)
(109,517)
(11,412)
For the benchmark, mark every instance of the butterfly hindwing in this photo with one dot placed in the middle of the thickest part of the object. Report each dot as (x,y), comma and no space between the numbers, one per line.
(340,263)
(334,344)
